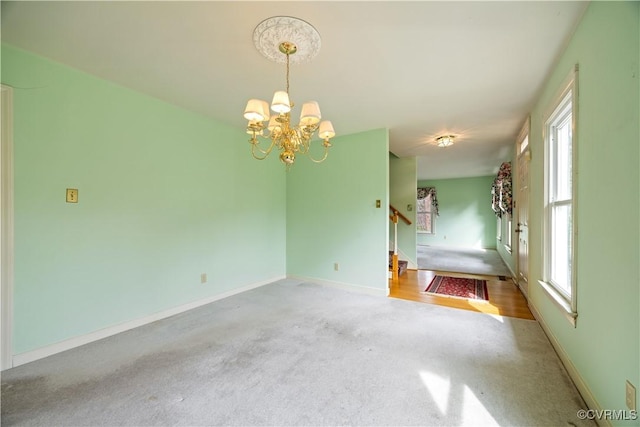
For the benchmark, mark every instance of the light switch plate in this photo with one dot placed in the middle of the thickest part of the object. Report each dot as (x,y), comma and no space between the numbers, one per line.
(72,195)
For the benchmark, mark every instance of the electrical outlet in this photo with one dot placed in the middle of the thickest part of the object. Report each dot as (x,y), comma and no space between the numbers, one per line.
(203,278)
(336,266)
(631,396)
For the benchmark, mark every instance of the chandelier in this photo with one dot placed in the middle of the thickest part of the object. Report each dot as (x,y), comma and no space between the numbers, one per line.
(277,129)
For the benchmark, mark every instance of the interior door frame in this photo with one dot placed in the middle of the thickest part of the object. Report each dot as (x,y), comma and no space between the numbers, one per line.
(519,154)
(6,227)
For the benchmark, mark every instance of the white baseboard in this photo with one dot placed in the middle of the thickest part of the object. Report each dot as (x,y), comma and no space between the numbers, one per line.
(577,379)
(42,352)
(344,286)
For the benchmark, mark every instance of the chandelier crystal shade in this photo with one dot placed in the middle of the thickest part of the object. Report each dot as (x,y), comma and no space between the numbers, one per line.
(278,129)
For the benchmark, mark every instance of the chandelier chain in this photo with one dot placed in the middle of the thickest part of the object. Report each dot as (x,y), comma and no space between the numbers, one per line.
(287,73)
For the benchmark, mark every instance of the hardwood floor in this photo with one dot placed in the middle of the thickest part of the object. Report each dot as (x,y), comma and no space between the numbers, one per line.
(505,299)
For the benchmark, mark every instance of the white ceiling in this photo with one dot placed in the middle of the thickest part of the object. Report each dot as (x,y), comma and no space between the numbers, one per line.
(420,69)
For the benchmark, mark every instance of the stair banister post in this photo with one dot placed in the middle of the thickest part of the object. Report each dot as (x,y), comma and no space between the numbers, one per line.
(394,262)
(395,235)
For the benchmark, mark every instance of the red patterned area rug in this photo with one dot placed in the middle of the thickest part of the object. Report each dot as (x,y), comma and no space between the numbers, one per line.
(459,287)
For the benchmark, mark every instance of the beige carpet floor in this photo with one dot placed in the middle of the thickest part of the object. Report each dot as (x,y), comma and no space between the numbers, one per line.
(462,260)
(293,354)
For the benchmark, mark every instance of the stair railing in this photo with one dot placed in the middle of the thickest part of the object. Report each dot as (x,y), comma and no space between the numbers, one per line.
(394,258)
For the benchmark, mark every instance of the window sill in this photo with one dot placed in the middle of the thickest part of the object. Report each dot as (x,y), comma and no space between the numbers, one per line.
(560,302)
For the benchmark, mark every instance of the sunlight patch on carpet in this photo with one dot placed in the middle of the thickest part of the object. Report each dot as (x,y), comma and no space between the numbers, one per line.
(438,388)
(474,412)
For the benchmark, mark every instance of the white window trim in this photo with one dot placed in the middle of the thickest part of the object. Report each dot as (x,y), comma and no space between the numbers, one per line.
(569,306)
(561,302)
(508,231)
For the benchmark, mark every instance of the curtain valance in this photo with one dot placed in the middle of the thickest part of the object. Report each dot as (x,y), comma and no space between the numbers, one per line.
(423,192)
(501,191)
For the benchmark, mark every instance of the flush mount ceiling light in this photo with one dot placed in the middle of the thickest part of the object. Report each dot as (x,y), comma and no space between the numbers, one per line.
(445,140)
(279,38)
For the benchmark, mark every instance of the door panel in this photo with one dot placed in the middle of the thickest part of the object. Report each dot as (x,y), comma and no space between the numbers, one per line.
(522,212)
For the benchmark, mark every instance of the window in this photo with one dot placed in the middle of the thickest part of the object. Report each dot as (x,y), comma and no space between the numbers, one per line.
(504,230)
(425,215)
(559,182)
(507,232)
(524,144)
(427,210)
(502,203)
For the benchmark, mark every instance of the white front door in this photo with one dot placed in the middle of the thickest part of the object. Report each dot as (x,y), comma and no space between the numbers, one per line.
(522,211)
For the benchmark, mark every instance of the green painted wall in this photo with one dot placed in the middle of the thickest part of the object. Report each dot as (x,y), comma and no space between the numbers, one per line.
(466,218)
(403,177)
(332,215)
(604,346)
(164,195)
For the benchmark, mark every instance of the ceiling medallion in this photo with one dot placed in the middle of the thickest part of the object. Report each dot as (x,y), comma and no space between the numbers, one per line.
(271,32)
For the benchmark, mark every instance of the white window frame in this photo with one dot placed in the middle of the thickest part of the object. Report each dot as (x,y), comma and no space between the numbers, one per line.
(508,232)
(564,103)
